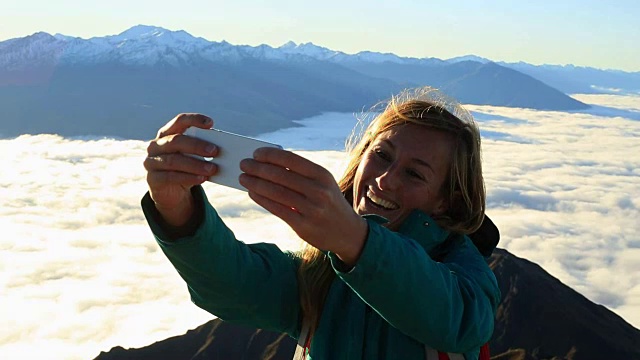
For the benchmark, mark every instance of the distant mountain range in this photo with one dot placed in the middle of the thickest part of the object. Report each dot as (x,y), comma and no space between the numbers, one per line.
(572,79)
(130,84)
(538,318)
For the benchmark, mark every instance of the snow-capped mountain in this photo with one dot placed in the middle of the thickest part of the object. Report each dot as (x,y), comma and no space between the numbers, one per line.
(309,49)
(139,45)
(147,73)
(39,49)
(324,54)
(468,58)
(149,45)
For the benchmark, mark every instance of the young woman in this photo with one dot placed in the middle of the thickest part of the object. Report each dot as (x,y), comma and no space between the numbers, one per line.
(388,272)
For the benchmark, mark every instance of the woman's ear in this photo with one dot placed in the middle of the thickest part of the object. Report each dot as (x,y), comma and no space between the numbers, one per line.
(442,208)
(445,203)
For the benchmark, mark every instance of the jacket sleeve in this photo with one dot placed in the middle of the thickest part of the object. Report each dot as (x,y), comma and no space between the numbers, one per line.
(447,305)
(254,285)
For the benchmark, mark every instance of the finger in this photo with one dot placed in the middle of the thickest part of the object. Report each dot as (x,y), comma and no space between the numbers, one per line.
(277,175)
(287,214)
(159,178)
(178,143)
(289,160)
(274,192)
(182,122)
(180,163)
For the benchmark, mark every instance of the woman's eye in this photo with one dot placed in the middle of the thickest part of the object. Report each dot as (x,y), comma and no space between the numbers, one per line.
(382,154)
(415,174)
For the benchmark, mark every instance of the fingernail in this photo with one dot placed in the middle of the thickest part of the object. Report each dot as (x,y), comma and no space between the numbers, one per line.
(206,120)
(210,149)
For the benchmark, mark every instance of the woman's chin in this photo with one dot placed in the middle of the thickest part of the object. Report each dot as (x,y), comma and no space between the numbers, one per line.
(393,216)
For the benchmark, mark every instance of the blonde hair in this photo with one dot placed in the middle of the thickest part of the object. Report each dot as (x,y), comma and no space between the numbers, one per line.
(463,187)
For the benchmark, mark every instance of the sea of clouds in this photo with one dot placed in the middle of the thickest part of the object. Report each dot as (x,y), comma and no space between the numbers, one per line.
(80,271)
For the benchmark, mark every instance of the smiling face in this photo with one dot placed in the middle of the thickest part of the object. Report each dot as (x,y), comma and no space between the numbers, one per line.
(403,169)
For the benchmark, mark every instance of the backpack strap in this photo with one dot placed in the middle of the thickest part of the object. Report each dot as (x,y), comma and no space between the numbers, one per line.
(304,342)
(432,354)
(484,352)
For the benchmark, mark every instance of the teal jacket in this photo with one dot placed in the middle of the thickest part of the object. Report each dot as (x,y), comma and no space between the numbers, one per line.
(393,301)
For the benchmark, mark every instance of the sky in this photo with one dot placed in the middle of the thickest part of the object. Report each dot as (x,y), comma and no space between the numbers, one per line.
(80,271)
(591,33)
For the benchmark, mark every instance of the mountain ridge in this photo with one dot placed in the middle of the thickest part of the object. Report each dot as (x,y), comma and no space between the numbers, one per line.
(308,48)
(129,84)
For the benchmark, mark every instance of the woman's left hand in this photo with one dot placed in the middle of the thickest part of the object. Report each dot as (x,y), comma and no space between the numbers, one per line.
(305,196)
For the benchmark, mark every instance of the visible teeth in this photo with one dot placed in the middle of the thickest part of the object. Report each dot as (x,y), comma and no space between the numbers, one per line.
(381,202)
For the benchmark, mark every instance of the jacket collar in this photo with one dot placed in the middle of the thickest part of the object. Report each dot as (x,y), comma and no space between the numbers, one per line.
(423,229)
(420,227)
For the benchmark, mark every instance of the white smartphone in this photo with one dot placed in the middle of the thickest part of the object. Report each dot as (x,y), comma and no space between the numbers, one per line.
(233,148)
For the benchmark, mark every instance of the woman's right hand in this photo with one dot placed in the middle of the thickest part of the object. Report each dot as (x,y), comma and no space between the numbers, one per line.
(171,174)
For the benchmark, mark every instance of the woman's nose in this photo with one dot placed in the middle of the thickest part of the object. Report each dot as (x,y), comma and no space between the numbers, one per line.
(389,179)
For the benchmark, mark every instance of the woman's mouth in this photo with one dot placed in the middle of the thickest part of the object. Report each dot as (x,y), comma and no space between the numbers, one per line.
(380,202)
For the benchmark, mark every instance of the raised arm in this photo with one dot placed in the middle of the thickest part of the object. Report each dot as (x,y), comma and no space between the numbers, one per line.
(251,284)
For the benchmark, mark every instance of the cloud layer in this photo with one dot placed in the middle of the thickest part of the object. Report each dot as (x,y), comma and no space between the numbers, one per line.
(80,272)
